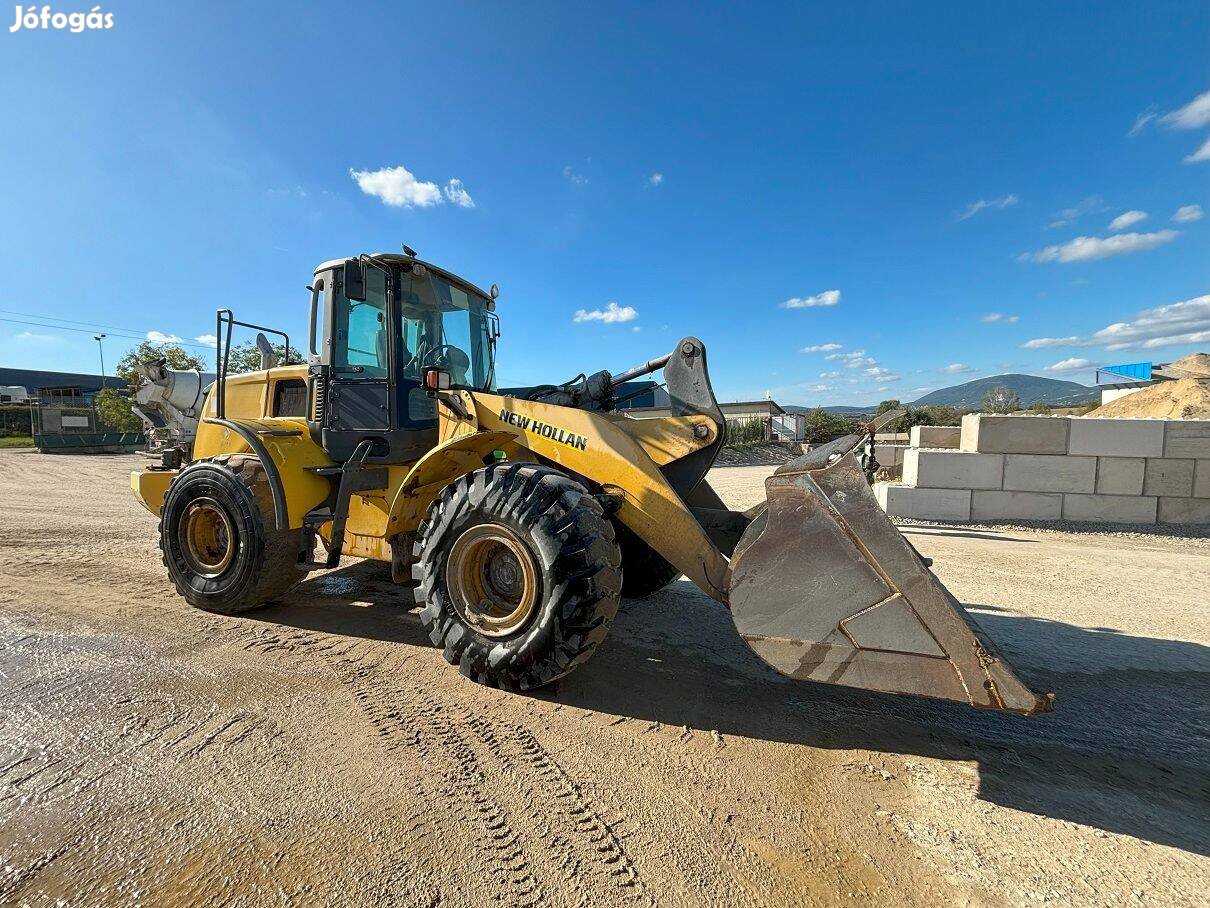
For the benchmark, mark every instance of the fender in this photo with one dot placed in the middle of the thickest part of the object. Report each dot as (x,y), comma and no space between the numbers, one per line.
(598,448)
(283,445)
(438,468)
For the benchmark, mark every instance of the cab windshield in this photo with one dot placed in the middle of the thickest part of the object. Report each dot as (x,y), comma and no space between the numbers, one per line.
(440,324)
(443,325)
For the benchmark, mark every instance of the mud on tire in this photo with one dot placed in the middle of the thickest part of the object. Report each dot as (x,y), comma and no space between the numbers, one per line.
(576,569)
(263,561)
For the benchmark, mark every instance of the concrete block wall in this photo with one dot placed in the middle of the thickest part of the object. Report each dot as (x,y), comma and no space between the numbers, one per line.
(1055,468)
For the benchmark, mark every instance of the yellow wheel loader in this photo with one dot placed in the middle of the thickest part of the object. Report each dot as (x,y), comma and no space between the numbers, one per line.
(519,521)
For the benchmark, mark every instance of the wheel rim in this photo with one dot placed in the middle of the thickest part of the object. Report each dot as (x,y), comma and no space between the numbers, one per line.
(492,580)
(207,537)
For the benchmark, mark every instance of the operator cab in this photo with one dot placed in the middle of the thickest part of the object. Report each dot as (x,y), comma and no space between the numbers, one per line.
(378,322)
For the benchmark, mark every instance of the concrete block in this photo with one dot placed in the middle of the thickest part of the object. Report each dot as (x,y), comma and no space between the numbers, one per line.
(923,504)
(1016,505)
(1185,510)
(1116,437)
(1120,475)
(1014,434)
(889,455)
(935,436)
(1187,438)
(1110,508)
(932,469)
(1049,473)
(1166,476)
(1201,479)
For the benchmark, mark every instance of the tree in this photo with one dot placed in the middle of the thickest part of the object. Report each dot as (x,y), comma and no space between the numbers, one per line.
(245,357)
(1001,399)
(822,426)
(147,351)
(888,405)
(113,410)
(1040,406)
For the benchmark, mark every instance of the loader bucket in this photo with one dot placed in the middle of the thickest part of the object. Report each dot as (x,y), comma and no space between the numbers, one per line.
(824,588)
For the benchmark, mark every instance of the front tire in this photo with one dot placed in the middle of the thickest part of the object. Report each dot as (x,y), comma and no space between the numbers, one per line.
(218,537)
(519,575)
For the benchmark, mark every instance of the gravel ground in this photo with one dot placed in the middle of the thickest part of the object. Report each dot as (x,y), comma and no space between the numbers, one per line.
(321,752)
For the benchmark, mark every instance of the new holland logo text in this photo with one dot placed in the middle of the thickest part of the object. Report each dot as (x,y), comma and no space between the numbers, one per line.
(545,430)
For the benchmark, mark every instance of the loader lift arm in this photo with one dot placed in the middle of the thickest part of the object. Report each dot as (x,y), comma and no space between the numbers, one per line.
(820,583)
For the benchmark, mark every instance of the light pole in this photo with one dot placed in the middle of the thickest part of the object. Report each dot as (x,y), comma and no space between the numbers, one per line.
(98,338)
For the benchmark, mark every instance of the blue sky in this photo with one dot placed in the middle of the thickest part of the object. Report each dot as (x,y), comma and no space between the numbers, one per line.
(897,173)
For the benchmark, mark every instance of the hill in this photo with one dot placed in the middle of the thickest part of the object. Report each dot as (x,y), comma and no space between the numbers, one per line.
(835,411)
(1030,388)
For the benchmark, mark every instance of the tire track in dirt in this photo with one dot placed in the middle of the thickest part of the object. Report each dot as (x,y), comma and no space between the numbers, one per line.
(493,774)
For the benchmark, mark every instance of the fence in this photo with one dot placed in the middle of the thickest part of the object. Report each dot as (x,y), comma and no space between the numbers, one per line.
(69,425)
(750,431)
(15,420)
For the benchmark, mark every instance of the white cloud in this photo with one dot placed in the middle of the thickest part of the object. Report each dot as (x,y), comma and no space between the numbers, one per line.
(207,340)
(1092,204)
(1141,121)
(1000,317)
(159,337)
(1005,201)
(1186,322)
(1188,213)
(957,368)
(829,375)
(1193,115)
(855,359)
(612,314)
(573,177)
(1041,343)
(1090,248)
(821,348)
(456,193)
(1127,219)
(1069,365)
(827,298)
(879,373)
(1202,154)
(655,179)
(920,390)
(397,187)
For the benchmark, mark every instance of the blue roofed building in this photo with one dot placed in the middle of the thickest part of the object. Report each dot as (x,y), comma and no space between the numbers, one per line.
(1126,378)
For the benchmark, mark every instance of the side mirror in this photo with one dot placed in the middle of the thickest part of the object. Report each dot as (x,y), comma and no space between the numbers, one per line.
(355,280)
(436,379)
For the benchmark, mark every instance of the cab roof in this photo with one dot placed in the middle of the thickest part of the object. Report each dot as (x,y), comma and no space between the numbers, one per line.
(397,258)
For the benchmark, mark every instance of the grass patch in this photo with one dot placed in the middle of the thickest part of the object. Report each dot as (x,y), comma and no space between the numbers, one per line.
(17,441)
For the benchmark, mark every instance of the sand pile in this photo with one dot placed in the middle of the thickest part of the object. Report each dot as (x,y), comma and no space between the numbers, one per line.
(1187,398)
(1194,364)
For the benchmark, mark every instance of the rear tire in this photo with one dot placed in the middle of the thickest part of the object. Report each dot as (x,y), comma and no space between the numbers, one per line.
(518,573)
(644,570)
(219,539)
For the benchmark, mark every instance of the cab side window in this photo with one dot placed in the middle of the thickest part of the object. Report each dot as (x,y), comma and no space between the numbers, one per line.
(360,348)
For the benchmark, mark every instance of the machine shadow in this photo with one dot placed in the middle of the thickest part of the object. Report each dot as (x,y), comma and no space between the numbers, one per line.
(1128,749)
(355,600)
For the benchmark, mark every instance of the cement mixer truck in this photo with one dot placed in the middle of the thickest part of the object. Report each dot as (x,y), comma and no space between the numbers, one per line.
(169,401)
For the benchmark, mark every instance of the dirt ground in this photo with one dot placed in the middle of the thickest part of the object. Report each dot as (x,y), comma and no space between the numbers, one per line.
(321,752)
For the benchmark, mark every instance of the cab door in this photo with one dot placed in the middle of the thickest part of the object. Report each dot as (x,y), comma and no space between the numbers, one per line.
(359,381)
